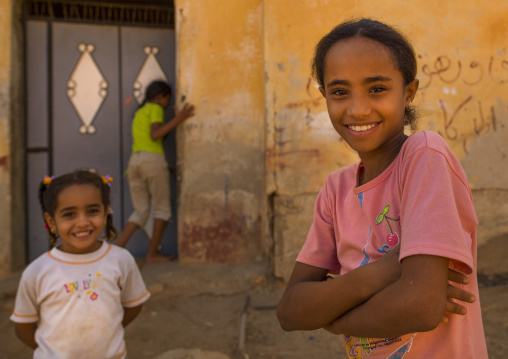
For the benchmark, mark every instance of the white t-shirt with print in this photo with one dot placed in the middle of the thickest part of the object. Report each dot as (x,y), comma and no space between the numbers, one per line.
(78,300)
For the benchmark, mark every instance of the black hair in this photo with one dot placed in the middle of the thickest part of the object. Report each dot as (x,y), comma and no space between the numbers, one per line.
(400,48)
(48,197)
(156,88)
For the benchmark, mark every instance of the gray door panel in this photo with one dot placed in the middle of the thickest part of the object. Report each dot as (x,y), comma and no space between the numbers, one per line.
(37,84)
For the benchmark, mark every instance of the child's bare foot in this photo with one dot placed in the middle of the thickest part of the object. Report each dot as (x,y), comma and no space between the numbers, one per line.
(158,257)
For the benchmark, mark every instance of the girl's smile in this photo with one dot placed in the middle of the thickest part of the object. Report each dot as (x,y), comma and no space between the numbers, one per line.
(363,128)
(79,218)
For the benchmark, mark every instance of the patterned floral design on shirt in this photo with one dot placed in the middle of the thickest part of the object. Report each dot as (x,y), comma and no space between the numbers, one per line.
(88,285)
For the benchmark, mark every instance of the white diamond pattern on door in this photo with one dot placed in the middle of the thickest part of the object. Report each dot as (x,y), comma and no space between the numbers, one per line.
(87,88)
(150,71)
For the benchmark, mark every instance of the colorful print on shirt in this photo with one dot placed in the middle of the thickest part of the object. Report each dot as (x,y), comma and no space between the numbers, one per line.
(392,238)
(88,286)
(357,347)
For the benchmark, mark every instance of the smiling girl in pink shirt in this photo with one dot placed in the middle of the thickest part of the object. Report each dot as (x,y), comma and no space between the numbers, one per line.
(397,226)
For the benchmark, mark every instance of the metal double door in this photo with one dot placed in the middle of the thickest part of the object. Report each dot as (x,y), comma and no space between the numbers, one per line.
(84,83)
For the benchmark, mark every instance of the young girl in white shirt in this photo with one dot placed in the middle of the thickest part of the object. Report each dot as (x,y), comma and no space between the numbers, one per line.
(74,300)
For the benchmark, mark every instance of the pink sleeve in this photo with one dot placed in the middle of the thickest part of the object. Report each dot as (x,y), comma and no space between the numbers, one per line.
(438,216)
(320,249)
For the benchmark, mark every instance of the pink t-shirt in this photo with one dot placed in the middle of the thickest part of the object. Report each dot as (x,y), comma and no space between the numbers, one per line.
(423,200)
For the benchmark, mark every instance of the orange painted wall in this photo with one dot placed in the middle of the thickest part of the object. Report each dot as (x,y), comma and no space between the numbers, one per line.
(220,70)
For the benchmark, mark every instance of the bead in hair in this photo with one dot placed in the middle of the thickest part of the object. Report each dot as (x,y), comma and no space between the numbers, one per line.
(47,180)
(107,179)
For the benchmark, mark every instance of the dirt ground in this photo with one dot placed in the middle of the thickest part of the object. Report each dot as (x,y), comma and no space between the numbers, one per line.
(231,310)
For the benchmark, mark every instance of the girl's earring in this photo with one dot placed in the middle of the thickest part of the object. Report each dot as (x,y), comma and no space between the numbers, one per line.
(53,230)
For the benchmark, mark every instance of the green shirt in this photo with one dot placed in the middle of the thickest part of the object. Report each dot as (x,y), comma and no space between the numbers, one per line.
(143,118)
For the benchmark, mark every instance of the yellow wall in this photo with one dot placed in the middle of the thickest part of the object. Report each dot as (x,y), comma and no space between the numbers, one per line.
(220,71)
(5,85)
(246,66)
(463,72)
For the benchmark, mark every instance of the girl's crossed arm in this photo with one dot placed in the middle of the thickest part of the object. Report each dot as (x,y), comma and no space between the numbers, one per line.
(311,303)
(416,302)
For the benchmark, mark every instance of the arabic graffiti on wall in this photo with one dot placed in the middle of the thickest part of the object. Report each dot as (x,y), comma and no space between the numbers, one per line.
(465,111)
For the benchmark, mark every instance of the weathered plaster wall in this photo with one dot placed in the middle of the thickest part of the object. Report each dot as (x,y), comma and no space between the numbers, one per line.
(5,84)
(17,147)
(220,71)
(11,163)
(463,72)
(464,91)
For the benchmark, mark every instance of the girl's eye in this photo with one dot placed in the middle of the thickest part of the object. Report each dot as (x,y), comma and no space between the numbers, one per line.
(339,92)
(68,214)
(376,89)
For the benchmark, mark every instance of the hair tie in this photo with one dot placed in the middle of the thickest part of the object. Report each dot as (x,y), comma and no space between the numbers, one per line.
(107,179)
(47,180)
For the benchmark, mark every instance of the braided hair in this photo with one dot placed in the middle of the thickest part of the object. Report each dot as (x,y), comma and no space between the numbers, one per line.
(48,197)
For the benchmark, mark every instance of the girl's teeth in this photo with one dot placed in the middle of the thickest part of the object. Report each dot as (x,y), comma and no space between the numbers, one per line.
(81,234)
(361,128)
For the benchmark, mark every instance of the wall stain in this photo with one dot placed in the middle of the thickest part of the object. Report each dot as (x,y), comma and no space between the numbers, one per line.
(304,103)
(224,240)
(4,162)
(312,101)
(275,158)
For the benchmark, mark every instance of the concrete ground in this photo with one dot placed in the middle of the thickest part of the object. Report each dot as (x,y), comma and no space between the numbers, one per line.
(217,311)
